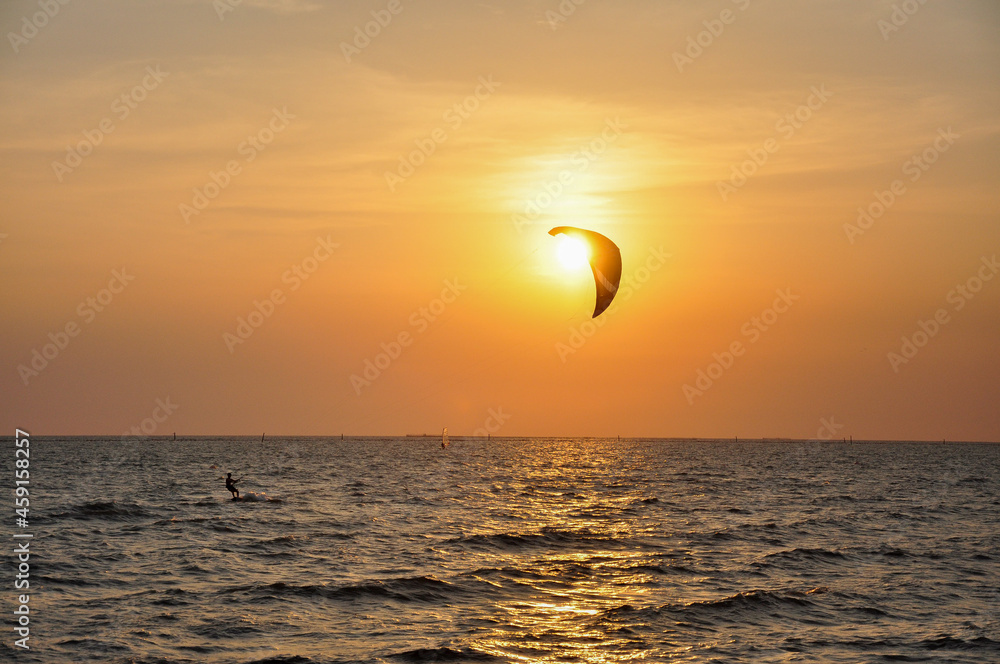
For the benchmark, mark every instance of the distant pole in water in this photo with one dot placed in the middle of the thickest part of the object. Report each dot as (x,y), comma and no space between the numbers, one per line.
(341,436)
(262,438)
(175,435)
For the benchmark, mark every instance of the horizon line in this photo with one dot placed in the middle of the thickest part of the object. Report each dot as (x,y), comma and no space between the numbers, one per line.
(735,439)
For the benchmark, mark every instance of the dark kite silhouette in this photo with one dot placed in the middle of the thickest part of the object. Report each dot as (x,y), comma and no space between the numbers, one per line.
(605,261)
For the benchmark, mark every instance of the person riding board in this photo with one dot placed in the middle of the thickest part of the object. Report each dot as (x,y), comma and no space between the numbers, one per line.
(231,485)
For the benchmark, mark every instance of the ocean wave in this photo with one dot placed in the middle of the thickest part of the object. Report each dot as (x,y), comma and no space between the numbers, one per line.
(404,589)
(158,660)
(223,528)
(944,642)
(174,521)
(227,630)
(170,601)
(547,537)
(753,600)
(444,655)
(70,581)
(492,575)
(108,510)
(662,569)
(802,554)
(741,607)
(954,643)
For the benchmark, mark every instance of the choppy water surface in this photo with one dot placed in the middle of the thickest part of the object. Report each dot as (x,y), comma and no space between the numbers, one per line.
(394,550)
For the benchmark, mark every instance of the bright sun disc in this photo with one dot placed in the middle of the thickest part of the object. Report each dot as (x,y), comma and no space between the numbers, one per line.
(573,253)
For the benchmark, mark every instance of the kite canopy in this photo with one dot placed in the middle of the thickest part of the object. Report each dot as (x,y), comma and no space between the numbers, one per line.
(605,262)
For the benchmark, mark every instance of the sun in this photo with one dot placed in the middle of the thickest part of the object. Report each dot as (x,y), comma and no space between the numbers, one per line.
(573,253)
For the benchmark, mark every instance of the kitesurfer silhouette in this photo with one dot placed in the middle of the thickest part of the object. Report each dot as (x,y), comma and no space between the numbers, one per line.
(231,485)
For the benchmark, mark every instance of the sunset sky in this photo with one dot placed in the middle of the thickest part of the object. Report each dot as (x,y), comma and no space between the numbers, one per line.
(402,185)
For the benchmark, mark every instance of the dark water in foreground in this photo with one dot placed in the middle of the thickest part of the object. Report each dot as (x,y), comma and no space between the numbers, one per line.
(393,550)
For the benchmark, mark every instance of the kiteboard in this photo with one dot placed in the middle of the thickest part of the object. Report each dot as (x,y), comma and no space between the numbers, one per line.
(254,497)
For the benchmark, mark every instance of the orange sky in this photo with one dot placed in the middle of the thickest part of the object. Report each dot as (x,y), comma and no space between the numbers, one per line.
(726,146)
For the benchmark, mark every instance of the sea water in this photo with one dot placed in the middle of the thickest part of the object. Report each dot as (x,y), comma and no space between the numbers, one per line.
(509,550)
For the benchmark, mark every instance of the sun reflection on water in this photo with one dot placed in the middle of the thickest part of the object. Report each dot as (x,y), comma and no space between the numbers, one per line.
(556,610)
